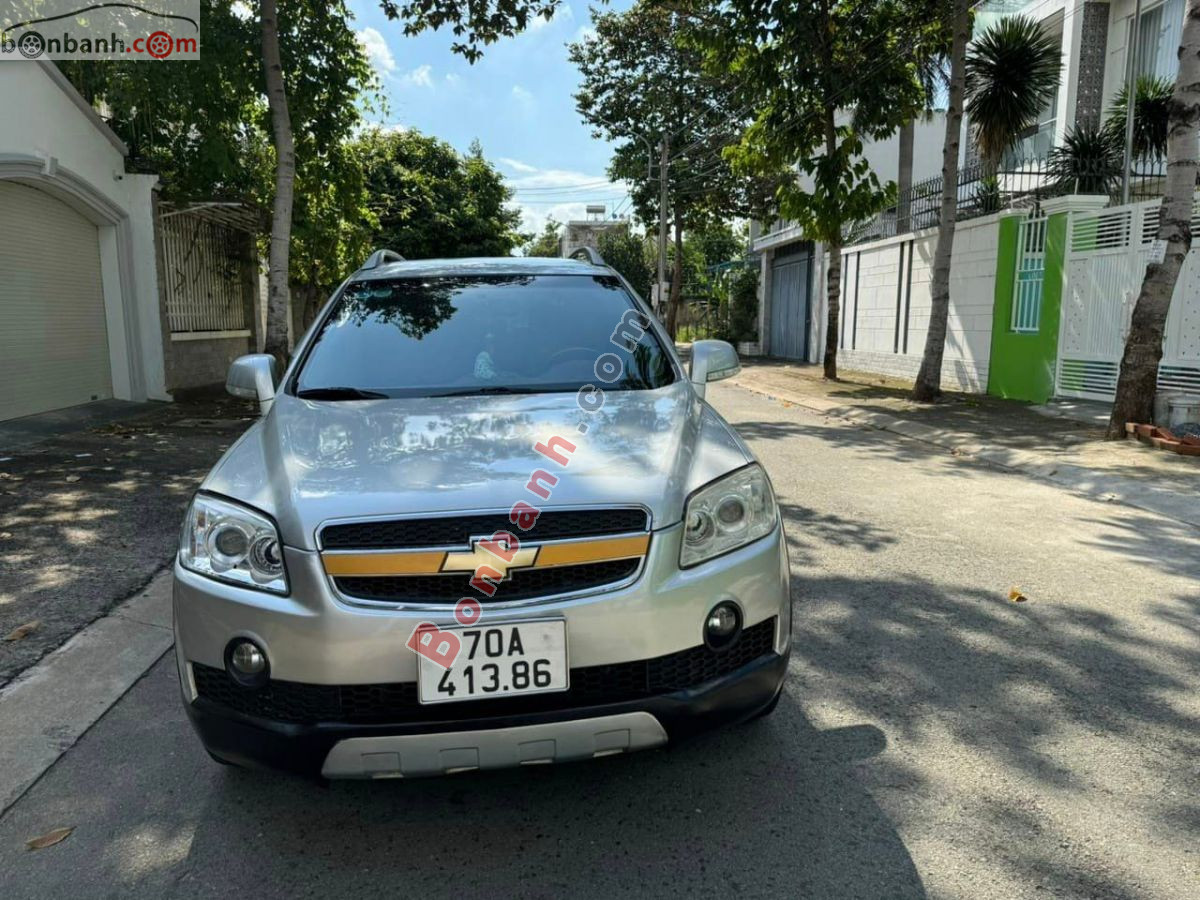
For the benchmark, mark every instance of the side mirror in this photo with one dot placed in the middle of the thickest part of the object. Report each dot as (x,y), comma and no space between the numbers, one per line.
(253,378)
(712,361)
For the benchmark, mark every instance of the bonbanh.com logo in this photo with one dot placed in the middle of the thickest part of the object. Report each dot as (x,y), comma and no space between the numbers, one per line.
(79,29)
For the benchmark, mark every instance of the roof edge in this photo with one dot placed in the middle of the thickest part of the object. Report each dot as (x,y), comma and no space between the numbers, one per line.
(86,108)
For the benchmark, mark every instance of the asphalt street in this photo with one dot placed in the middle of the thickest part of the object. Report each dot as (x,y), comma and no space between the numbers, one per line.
(936,739)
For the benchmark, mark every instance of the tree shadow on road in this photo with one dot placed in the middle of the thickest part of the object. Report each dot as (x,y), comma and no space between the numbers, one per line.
(86,519)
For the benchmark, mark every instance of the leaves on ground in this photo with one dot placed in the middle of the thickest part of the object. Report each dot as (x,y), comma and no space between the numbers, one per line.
(49,839)
(23,631)
(1016,596)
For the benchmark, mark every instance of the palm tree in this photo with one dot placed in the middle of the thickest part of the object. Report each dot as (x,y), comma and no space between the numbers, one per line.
(931,57)
(1012,73)
(1088,162)
(1008,77)
(1151,110)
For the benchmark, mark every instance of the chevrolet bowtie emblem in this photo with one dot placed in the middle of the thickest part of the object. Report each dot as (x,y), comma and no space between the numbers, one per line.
(502,560)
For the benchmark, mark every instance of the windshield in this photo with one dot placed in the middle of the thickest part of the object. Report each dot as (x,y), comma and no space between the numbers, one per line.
(422,337)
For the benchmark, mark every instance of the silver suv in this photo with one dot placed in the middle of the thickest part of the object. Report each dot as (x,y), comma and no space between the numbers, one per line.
(485,520)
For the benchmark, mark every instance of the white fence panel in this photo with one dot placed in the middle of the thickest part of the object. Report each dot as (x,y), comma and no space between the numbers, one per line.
(1106,261)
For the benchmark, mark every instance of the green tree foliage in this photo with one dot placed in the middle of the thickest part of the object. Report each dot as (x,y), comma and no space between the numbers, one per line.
(474,23)
(800,65)
(643,80)
(431,201)
(630,255)
(203,127)
(717,242)
(1012,73)
(743,304)
(548,243)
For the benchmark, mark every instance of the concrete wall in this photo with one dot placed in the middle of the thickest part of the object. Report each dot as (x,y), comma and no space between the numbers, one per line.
(886,305)
(205,362)
(62,148)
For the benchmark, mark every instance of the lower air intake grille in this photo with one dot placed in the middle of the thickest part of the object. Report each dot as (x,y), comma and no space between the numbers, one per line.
(297,703)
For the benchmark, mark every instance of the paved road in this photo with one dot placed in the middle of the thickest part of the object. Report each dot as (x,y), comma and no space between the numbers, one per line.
(936,739)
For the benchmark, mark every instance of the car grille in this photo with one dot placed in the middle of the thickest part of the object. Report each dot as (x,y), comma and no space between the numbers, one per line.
(455,531)
(522,585)
(297,703)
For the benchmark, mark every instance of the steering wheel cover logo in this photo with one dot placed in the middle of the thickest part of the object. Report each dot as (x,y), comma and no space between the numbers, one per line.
(31,45)
(159,45)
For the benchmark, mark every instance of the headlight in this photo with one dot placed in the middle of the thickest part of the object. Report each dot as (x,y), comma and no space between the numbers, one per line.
(229,542)
(724,515)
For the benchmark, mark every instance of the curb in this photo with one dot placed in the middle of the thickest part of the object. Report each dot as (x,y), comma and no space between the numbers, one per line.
(1097,485)
(49,706)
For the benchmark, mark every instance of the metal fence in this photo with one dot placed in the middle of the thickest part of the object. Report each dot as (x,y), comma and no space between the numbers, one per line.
(205,274)
(983,189)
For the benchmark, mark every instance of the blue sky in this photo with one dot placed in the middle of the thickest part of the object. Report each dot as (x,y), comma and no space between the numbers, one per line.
(516,100)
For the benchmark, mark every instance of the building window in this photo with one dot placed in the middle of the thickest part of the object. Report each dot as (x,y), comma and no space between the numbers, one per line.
(1158,39)
(1031,276)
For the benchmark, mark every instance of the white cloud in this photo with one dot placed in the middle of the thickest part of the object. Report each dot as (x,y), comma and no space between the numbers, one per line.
(561,194)
(421,76)
(516,165)
(452,79)
(378,53)
(585,33)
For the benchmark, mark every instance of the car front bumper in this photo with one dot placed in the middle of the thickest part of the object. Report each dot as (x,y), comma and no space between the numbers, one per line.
(315,638)
(390,750)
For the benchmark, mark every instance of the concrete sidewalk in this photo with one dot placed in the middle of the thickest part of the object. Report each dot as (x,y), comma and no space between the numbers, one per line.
(1002,432)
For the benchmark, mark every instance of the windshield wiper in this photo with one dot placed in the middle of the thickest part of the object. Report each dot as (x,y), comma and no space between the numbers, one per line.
(494,389)
(339,393)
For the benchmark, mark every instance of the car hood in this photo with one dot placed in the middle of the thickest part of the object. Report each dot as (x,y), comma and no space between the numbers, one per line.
(309,462)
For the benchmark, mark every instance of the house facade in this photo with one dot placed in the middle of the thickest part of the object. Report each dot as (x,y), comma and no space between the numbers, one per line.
(79,306)
(104,292)
(1038,308)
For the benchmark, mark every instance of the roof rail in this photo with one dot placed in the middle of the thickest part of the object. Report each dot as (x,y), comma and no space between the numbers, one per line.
(588,255)
(379,257)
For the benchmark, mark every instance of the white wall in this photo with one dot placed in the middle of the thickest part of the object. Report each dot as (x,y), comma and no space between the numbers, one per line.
(872,348)
(83,165)
(884,155)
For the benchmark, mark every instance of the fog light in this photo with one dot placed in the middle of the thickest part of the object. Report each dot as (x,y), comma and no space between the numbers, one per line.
(246,662)
(722,626)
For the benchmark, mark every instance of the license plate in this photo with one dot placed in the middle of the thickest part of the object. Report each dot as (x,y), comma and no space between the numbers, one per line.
(497,661)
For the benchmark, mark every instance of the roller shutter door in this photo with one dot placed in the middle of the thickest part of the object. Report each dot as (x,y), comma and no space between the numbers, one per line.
(53,339)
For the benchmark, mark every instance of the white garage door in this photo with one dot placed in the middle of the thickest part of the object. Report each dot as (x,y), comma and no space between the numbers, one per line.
(53,340)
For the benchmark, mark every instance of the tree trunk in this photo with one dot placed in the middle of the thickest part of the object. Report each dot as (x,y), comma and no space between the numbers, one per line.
(676,281)
(833,271)
(904,177)
(285,177)
(928,386)
(1138,380)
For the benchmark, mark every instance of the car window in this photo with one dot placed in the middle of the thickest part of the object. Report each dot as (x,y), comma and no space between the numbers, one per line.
(479,334)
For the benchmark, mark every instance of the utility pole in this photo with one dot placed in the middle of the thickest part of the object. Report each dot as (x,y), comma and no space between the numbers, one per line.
(662,219)
(1131,101)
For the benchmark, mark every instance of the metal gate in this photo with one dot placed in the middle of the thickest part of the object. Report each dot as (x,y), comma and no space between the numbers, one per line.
(790,308)
(1107,254)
